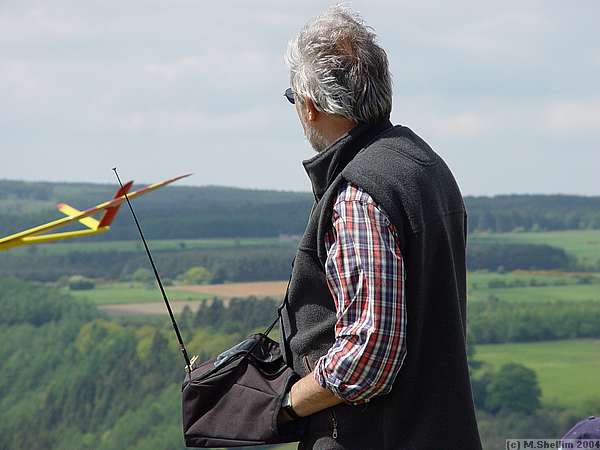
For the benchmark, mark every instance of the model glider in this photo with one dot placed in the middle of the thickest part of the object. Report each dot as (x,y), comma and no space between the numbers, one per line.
(40,233)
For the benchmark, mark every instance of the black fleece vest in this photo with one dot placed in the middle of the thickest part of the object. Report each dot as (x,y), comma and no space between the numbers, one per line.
(430,406)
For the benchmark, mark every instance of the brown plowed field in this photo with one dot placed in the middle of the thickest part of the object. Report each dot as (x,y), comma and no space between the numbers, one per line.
(275,289)
(123,309)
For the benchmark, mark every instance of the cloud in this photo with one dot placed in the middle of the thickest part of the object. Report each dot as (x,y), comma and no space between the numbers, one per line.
(572,117)
(255,121)
(235,69)
(463,125)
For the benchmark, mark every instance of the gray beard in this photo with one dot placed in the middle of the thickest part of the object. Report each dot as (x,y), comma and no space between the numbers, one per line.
(315,139)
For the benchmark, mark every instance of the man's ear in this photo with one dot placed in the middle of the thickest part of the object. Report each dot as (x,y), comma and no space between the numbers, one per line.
(311,112)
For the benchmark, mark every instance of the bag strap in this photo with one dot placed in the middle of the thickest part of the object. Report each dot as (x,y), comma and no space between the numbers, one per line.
(281,305)
(268,330)
(279,308)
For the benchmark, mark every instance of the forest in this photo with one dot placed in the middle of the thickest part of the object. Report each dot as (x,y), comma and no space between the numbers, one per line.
(73,378)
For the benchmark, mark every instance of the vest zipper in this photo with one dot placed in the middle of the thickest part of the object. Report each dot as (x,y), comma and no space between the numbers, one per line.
(307,364)
(334,433)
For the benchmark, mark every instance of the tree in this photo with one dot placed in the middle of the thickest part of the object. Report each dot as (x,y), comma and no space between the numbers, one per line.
(80,283)
(161,365)
(480,384)
(186,320)
(210,313)
(196,275)
(514,388)
(143,275)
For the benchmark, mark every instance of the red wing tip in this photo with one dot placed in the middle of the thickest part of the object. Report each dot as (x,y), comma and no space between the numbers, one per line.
(60,205)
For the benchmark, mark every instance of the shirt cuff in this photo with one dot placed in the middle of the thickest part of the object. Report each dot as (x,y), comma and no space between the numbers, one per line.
(327,381)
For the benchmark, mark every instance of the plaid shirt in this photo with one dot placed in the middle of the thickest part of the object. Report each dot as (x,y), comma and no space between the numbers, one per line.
(365,275)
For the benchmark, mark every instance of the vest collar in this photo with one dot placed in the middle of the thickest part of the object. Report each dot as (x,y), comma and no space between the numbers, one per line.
(326,165)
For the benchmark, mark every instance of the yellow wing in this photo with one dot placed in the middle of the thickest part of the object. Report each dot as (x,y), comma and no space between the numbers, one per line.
(69,211)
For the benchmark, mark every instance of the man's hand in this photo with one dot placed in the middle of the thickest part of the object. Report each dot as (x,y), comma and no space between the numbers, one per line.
(307,397)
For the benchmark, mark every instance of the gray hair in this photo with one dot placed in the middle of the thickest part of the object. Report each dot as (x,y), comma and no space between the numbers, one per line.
(336,61)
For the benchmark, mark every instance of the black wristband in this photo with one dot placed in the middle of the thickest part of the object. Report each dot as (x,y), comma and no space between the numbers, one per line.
(290,412)
(287,407)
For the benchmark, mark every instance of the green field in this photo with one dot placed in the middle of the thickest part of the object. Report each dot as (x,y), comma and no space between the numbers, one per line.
(567,370)
(481,278)
(584,292)
(559,286)
(163,244)
(110,293)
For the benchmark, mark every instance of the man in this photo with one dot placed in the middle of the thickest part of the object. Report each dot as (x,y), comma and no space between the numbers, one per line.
(375,315)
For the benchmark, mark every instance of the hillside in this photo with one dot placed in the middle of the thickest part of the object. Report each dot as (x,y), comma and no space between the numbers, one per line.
(174,212)
(185,212)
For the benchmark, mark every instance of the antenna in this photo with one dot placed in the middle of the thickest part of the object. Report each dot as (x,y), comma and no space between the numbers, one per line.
(188,364)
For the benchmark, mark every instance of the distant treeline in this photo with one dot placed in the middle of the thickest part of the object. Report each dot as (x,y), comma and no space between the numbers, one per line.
(526,212)
(231,264)
(513,256)
(175,212)
(180,212)
(241,314)
(495,321)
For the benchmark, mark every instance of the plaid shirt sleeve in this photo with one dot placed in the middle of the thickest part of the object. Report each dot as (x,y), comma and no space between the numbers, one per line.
(365,275)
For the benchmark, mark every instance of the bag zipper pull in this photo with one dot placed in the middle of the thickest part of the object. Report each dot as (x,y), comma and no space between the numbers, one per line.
(335,431)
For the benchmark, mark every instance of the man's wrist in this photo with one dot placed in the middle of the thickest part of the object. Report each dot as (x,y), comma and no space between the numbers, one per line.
(287,406)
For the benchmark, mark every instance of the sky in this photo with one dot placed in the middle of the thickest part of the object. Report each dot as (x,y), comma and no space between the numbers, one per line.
(507,93)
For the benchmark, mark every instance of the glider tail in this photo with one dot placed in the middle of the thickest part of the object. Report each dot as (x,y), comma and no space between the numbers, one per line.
(111,212)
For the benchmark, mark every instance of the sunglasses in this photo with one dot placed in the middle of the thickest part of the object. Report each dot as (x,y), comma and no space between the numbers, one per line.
(289,94)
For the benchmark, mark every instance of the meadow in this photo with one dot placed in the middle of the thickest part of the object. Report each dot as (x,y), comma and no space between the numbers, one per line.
(570,292)
(127,292)
(567,370)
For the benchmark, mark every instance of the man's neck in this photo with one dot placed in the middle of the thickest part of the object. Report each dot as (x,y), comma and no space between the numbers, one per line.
(326,165)
(336,127)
